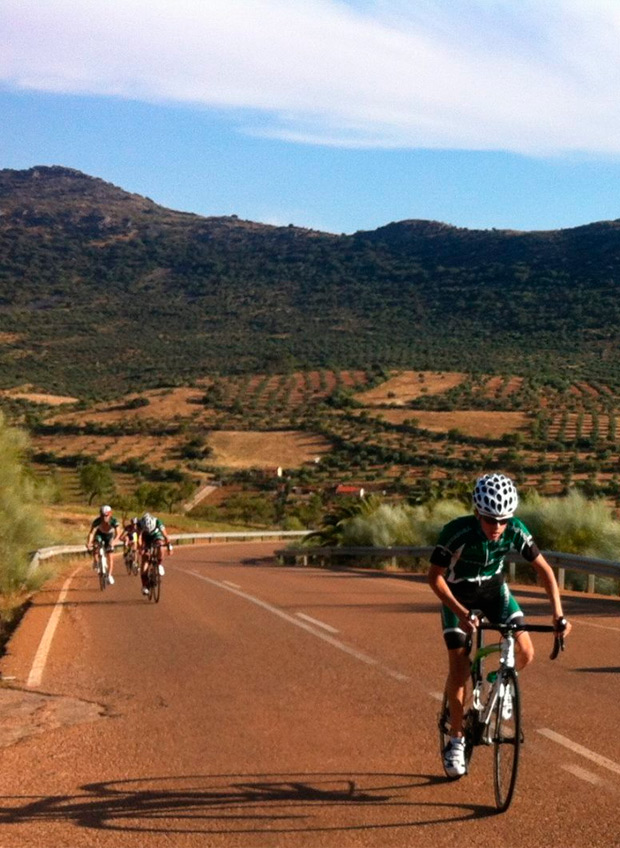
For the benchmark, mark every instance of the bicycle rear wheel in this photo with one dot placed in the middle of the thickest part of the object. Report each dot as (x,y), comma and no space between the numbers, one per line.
(506,736)
(470,722)
(443,722)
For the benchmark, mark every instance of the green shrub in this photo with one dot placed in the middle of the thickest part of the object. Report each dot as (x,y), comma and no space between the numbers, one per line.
(22,528)
(572,524)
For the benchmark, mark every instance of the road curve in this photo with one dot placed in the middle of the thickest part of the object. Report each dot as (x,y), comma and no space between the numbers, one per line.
(260,705)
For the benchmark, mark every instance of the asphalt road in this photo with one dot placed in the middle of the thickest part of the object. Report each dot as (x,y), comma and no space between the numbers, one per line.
(259,705)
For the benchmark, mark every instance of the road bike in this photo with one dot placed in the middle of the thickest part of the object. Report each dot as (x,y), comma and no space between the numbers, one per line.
(492,708)
(102,567)
(131,560)
(153,577)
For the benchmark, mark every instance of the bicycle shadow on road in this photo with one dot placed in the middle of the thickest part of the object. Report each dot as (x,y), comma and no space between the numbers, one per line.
(250,804)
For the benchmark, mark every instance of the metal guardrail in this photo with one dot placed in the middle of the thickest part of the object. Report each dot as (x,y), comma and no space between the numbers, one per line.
(187,538)
(562,562)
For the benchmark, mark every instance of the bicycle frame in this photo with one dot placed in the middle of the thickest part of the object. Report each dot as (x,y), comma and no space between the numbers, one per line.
(102,566)
(485,706)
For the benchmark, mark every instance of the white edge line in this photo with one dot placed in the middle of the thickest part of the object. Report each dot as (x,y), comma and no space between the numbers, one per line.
(233,585)
(599,626)
(40,658)
(322,624)
(326,637)
(583,774)
(579,749)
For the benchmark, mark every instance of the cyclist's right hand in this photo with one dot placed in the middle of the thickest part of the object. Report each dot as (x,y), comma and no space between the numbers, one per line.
(469,622)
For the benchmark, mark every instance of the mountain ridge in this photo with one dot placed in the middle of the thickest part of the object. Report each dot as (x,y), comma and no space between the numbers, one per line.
(102,290)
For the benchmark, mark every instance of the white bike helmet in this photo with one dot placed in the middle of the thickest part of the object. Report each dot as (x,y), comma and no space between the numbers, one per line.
(495,495)
(105,509)
(148,522)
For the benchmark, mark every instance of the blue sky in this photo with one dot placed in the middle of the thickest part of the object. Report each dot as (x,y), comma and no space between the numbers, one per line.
(338,116)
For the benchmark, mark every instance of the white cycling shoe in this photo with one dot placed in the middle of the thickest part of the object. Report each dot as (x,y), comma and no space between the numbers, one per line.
(110,580)
(161,570)
(454,758)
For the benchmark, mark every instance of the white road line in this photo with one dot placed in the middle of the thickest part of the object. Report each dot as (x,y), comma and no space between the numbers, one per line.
(604,762)
(322,624)
(583,774)
(40,658)
(600,626)
(438,696)
(336,643)
(228,583)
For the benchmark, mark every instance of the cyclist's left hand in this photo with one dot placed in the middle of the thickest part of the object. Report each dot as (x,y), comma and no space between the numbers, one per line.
(566,627)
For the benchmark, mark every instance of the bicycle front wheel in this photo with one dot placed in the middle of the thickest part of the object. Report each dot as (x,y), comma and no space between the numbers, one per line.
(506,736)
(156,586)
(102,567)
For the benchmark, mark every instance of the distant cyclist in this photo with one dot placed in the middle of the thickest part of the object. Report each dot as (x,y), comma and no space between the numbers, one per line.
(130,537)
(104,530)
(152,534)
(466,574)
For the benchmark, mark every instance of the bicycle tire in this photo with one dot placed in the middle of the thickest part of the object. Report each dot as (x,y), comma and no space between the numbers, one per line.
(506,736)
(443,725)
(102,570)
(157,586)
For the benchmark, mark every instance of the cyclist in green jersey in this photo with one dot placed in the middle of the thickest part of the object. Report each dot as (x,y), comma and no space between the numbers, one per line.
(153,534)
(104,530)
(466,574)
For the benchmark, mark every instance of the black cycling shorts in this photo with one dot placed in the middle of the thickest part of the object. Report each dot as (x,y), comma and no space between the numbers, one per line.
(492,598)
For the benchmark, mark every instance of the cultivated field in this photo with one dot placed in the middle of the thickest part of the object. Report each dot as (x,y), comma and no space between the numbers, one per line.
(408,385)
(413,427)
(491,425)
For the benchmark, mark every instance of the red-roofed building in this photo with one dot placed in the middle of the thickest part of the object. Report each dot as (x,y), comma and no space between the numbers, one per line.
(350,490)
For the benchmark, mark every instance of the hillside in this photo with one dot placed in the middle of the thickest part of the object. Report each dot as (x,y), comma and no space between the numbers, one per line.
(102,291)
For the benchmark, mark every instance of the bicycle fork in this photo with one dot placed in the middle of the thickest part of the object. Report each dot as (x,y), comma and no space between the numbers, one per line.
(485,708)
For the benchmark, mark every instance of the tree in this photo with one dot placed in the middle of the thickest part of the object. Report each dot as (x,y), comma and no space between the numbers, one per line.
(96,480)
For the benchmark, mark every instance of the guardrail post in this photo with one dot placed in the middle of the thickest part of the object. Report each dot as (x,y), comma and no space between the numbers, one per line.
(561,578)
(512,571)
(591,584)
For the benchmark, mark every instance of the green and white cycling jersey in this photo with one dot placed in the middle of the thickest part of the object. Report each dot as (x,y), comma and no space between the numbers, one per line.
(156,535)
(469,557)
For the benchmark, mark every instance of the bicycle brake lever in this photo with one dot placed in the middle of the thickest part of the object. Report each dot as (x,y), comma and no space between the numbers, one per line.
(558,645)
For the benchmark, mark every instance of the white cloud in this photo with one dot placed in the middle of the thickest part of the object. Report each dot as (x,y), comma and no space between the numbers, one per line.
(533,76)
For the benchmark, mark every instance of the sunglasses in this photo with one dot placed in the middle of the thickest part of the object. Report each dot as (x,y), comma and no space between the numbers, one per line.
(496,522)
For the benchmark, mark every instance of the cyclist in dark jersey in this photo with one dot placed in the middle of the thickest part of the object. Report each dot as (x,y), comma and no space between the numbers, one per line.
(104,530)
(130,537)
(466,574)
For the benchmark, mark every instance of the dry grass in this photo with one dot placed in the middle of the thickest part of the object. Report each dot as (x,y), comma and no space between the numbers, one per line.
(408,385)
(470,423)
(158,451)
(286,448)
(28,393)
(164,405)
